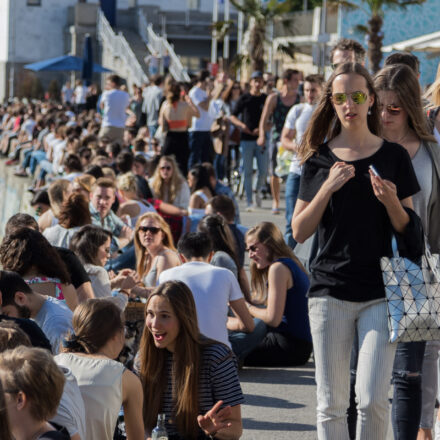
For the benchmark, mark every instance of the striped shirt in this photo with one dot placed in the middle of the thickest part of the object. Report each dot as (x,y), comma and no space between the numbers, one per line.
(218,381)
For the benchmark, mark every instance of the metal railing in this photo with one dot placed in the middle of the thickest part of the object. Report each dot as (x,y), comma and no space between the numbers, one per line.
(160,45)
(119,48)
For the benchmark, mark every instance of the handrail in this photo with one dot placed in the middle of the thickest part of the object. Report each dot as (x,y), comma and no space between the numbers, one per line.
(120,48)
(158,44)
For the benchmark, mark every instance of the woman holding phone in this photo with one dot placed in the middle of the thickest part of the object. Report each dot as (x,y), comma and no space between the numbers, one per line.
(355,214)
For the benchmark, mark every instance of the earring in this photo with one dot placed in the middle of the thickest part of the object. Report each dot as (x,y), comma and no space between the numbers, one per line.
(369,111)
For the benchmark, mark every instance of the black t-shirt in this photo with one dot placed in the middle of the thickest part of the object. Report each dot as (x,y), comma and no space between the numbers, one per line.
(78,274)
(34,332)
(250,107)
(143,188)
(355,230)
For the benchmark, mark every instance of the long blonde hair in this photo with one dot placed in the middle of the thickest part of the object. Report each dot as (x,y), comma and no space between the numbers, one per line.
(401,79)
(270,236)
(186,366)
(325,124)
(143,257)
(159,187)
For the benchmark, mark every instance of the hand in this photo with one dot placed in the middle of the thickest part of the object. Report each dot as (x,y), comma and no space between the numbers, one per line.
(126,232)
(256,132)
(384,190)
(188,100)
(246,130)
(261,141)
(215,419)
(340,174)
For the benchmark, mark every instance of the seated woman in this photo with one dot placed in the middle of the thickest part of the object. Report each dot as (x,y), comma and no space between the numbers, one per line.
(105,384)
(40,202)
(91,244)
(222,242)
(168,184)
(33,385)
(280,284)
(27,252)
(73,214)
(201,190)
(131,205)
(155,251)
(190,378)
(83,184)
(58,191)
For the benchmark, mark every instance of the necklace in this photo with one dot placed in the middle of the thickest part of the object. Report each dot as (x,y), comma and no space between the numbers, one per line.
(398,141)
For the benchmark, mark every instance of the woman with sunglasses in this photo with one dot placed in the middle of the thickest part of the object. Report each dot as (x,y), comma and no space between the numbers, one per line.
(155,251)
(279,285)
(404,122)
(356,213)
(190,378)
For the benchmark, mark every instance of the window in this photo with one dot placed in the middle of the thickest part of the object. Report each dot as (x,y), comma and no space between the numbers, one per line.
(33,2)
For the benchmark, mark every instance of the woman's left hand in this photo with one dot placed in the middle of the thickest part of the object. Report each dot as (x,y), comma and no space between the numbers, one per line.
(384,190)
(215,419)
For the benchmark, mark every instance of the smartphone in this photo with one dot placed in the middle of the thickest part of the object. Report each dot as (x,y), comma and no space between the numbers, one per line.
(375,172)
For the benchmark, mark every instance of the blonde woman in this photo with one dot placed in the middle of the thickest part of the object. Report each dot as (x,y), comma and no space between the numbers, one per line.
(433,95)
(168,184)
(131,205)
(155,251)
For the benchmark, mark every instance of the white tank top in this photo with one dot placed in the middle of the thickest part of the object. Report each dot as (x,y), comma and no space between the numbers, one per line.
(100,383)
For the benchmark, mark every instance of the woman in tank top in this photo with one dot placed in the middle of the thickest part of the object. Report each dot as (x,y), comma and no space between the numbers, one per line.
(175,118)
(105,384)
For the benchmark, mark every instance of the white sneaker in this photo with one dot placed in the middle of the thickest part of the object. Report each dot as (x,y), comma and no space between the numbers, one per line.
(250,208)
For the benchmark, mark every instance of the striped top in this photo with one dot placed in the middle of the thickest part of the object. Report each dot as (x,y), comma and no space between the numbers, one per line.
(218,381)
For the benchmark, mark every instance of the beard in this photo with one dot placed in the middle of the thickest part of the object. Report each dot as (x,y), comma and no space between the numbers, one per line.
(23,311)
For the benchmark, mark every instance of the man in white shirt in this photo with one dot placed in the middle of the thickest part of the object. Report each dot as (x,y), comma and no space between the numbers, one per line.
(213,288)
(79,96)
(200,142)
(51,315)
(114,103)
(294,127)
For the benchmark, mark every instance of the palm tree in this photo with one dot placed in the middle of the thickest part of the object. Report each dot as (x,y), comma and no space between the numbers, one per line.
(375,10)
(260,16)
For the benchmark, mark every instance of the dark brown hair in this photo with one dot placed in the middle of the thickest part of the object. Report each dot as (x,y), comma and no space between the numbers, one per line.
(86,242)
(351,45)
(26,248)
(11,336)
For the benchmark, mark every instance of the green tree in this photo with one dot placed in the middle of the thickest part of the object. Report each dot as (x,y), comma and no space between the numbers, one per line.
(259,16)
(375,10)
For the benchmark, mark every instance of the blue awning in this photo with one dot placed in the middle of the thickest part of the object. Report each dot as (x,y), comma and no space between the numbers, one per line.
(63,63)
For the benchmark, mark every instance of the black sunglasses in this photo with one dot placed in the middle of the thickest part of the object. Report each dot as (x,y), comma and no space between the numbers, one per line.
(166,167)
(151,229)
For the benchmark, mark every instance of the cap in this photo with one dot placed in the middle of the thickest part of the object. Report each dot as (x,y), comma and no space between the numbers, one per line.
(257,74)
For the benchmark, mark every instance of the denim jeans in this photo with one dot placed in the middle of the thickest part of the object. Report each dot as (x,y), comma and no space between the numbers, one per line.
(429,383)
(125,260)
(243,343)
(333,325)
(407,398)
(249,150)
(220,166)
(36,158)
(200,147)
(292,189)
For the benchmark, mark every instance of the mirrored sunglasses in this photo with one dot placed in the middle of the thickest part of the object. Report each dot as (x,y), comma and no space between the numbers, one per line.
(391,109)
(357,97)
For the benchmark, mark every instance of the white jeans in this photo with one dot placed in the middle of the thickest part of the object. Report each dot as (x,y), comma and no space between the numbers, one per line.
(333,323)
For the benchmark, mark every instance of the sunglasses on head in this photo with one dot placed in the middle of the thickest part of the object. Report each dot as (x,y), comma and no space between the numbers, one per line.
(165,167)
(391,109)
(357,97)
(151,229)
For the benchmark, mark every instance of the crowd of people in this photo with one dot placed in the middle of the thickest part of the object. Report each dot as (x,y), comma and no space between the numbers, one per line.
(124,298)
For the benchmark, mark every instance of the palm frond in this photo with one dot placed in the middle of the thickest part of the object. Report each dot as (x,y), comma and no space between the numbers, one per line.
(287,49)
(361,28)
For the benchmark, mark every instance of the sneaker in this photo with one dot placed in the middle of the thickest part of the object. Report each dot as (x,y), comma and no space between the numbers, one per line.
(258,199)
(11,162)
(20,173)
(250,208)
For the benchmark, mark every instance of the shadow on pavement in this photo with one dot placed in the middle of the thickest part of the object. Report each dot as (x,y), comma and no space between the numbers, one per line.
(276,426)
(270,402)
(288,376)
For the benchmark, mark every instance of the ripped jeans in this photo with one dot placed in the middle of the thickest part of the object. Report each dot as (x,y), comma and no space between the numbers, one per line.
(407,398)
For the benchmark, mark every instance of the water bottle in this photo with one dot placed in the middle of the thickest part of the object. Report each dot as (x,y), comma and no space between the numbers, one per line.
(160,432)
